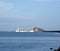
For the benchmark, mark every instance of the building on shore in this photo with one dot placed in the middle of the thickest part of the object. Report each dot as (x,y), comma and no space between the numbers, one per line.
(37,29)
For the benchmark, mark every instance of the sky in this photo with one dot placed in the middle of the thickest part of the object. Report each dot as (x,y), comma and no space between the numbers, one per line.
(27,13)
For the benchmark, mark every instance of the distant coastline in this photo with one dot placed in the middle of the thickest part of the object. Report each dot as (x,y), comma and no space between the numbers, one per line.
(43,31)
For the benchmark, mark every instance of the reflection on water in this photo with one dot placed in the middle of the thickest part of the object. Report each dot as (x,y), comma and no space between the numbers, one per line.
(28,43)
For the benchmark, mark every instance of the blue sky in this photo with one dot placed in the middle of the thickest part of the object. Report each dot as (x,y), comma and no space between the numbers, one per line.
(26,13)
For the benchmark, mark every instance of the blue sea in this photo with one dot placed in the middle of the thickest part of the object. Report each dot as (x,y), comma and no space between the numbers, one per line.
(42,41)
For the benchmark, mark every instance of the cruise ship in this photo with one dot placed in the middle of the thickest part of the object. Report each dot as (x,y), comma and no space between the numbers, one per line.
(24,30)
(35,29)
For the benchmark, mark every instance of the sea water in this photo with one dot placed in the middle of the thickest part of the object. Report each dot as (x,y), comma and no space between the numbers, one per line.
(43,41)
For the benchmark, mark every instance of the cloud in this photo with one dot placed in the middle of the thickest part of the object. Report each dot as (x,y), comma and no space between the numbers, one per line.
(4,6)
